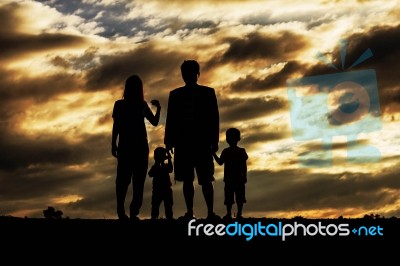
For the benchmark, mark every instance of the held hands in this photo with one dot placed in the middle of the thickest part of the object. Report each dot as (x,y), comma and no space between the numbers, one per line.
(156,103)
(214,148)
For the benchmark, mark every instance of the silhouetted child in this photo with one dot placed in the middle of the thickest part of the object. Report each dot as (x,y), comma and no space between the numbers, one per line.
(162,190)
(234,159)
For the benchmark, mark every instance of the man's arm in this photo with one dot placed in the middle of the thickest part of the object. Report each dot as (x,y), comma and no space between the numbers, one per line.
(170,166)
(214,122)
(170,123)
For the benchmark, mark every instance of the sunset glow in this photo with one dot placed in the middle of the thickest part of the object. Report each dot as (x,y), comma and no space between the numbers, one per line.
(64,63)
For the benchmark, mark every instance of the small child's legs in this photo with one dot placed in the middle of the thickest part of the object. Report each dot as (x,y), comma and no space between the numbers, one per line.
(229,193)
(240,194)
(168,203)
(168,211)
(239,209)
(228,211)
(155,205)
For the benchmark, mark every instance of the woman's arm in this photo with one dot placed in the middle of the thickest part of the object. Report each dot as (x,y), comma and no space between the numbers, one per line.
(114,136)
(153,119)
(115,131)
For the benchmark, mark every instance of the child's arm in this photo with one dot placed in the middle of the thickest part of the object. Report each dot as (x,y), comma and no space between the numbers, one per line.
(152,170)
(217,159)
(244,166)
(169,165)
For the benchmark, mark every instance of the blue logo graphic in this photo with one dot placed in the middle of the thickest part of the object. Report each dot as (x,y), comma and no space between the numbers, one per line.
(341,104)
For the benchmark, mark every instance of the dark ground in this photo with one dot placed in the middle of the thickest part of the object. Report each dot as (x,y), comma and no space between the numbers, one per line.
(100,238)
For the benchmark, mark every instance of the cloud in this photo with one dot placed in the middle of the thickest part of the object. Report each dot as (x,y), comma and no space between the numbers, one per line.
(383,42)
(291,190)
(272,81)
(39,88)
(19,45)
(23,151)
(146,61)
(15,44)
(256,134)
(246,109)
(281,46)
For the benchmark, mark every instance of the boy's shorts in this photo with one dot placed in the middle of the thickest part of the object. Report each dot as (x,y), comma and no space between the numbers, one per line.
(189,159)
(232,190)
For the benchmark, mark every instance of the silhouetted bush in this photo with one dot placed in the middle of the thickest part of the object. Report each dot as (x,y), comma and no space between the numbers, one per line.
(52,213)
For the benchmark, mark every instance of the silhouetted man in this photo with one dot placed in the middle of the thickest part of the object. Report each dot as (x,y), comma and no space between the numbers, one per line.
(192,129)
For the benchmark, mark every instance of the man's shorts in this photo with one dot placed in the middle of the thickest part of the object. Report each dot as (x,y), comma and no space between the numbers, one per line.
(189,159)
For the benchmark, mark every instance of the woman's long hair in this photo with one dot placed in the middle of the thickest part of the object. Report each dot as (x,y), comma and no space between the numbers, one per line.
(133,92)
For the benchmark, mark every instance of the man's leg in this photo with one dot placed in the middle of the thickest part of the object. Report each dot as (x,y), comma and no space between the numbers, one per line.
(121,190)
(208,192)
(188,193)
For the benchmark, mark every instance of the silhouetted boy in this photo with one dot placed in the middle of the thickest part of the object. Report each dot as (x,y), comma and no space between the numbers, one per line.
(234,159)
(162,190)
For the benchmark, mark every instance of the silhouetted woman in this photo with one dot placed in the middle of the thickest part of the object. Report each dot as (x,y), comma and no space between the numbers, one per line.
(132,150)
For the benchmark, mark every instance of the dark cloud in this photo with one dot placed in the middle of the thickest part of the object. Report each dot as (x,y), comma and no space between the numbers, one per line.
(39,88)
(9,20)
(254,134)
(235,110)
(337,145)
(263,134)
(23,152)
(81,62)
(16,44)
(279,47)
(273,81)
(33,171)
(383,42)
(146,61)
(300,190)
(39,181)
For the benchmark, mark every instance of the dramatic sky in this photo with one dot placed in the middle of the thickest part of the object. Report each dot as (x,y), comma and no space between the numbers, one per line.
(63,64)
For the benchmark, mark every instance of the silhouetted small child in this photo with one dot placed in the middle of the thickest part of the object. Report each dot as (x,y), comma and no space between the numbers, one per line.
(234,159)
(162,190)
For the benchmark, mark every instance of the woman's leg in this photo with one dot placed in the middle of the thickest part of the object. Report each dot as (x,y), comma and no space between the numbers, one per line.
(122,182)
(138,179)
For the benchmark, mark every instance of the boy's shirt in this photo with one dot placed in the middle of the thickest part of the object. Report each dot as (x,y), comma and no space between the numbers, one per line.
(235,166)
(160,175)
